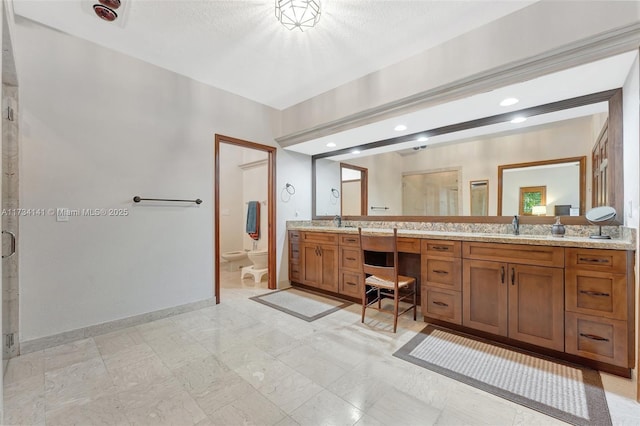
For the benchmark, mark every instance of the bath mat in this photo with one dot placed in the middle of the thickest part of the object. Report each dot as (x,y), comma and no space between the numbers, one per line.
(568,392)
(303,304)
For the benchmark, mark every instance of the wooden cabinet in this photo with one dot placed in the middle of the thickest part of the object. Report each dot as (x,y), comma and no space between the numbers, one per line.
(519,301)
(319,261)
(441,296)
(294,256)
(599,305)
(350,281)
(578,302)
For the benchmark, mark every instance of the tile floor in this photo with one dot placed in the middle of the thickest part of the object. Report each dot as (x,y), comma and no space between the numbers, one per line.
(241,362)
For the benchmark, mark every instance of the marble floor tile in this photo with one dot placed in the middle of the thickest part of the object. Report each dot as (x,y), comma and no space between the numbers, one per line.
(106,411)
(162,402)
(70,353)
(135,365)
(78,383)
(253,409)
(24,402)
(118,340)
(24,367)
(397,407)
(327,409)
(321,368)
(241,362)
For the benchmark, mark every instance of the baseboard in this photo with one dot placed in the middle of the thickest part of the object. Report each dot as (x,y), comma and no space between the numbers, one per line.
(107,327)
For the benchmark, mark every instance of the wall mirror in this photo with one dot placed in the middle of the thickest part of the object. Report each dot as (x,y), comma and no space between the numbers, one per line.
(480,152)
(543,188)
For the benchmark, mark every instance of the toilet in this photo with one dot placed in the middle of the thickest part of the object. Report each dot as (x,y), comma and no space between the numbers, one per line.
(235,259)
(259,258)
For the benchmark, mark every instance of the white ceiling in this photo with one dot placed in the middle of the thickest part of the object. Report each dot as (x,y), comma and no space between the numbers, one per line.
(239,46)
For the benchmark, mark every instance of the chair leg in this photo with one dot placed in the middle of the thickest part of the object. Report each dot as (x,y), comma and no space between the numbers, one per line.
(415,301)
(364,301)
(379,299)
(395,310)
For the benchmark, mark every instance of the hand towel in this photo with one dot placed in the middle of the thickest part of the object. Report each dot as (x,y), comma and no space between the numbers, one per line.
(253,220)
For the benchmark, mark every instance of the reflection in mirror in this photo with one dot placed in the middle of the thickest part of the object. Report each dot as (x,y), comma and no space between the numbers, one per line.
(431,193)
(542,188)
(565,129)
(327,178)
(354,190)
(479,190)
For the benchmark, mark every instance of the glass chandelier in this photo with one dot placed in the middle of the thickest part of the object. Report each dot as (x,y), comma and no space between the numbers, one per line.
(298,14)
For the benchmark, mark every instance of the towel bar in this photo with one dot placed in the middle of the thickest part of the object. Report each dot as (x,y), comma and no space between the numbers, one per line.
(137,199)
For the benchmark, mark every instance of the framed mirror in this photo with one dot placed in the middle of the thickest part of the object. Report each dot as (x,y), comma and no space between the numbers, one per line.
(553,132)
(542,188)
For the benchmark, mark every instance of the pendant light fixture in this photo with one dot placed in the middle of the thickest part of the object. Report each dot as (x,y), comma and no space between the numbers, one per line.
(298,14)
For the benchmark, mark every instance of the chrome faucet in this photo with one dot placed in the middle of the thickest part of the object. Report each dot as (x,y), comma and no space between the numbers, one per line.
(337,220)
(516,225)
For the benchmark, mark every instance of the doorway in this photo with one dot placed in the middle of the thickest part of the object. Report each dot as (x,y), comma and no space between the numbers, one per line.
(353,185)
(268,204)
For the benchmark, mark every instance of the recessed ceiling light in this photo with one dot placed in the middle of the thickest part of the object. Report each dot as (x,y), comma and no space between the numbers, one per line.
(519,120)
(509,101)
(400,127)
(423,139)
(331,145)
(355,151)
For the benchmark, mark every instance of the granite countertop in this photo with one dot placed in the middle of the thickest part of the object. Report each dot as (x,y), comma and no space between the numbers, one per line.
(538,240)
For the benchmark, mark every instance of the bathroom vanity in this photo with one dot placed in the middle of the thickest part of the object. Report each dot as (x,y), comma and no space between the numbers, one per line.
(572,298)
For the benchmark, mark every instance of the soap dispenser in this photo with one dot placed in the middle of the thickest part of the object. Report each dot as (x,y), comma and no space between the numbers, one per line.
(557,230)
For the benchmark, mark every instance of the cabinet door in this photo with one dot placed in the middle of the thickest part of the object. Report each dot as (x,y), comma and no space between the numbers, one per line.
(536,305)
(311,264)
(484,305)
(328,268)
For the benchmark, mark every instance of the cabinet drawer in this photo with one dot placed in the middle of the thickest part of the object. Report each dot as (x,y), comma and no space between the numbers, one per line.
(515,253)
(319,237)
(350,258)
(294,252)
(613,261)
(443,273)
(441,248)
(350,240)
(596,293)
(351,284)
(294,272)
(294,236)
(596,338)
(408,245)
(442,304)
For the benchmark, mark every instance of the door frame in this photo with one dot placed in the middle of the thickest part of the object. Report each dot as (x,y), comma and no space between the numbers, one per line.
(271,207)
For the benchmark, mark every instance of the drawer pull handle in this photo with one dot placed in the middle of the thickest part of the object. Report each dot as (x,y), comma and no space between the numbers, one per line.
(502,274)
(350,283)
(592,260)
(440,304)
(351,258)
(594,337)
(439,271)
(594,293)
(350,240)
(441,248)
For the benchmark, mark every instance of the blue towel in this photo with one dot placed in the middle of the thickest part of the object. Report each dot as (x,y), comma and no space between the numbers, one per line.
(252,217)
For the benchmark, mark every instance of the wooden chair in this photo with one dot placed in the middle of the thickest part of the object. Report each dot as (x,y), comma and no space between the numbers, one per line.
(381,278)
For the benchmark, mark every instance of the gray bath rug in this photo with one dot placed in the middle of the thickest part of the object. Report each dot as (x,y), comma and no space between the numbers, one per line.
(569,392)
(303,304)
